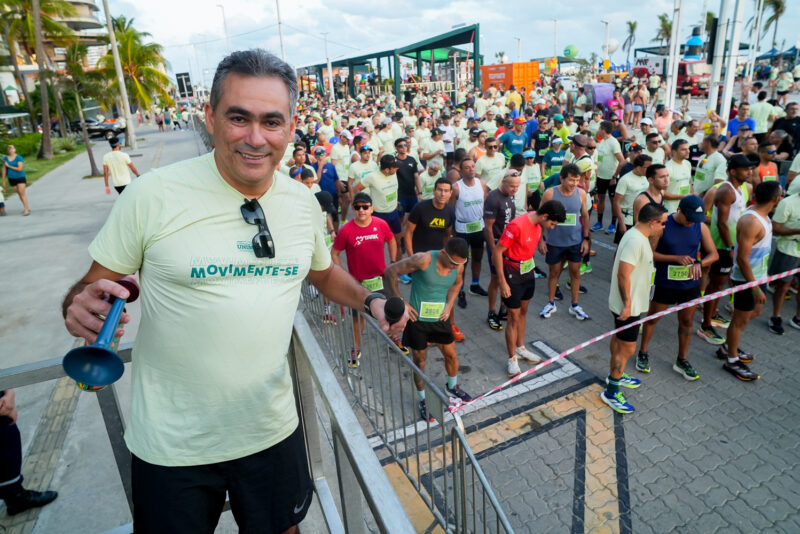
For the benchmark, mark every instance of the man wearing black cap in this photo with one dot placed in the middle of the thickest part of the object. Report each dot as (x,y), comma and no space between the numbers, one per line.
(433,149)
(730,199)
(472,140)
(116,164)
(677,278)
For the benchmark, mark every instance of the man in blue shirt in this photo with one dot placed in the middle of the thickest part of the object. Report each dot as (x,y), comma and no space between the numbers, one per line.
(514,141)
(531,124)
(328,179)
(741,118)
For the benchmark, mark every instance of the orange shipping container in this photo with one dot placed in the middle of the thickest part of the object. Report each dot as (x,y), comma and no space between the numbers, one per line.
(503,76)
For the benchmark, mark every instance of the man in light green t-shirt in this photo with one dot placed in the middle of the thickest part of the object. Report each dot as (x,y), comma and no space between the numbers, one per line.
(680,175)
(609,163)
(762,112)
(222,245)
(711,167)
(785,225)
(629,298)
(629,187)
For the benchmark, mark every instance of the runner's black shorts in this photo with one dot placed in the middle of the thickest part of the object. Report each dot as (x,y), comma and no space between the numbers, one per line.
(520,292)
(418,334)
(744,300)
(17,181)
(781,263)
(392,218)
(723,265)
(629,335)
(671,296)
(475,240)
(604,186)
(269,491)
(556,254)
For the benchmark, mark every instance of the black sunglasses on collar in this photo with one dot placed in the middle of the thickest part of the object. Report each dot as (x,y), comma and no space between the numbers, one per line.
(263,245)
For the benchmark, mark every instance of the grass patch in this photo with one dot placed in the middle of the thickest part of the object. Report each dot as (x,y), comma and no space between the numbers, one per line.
(36,168)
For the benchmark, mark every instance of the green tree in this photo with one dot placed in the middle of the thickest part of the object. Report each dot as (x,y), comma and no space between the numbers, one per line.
(17,23)
(778,8)
(141,63)
(664,31)
(630,40)
(82,84)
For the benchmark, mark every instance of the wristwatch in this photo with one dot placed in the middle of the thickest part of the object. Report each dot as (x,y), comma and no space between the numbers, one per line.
(370,298)
(587,238)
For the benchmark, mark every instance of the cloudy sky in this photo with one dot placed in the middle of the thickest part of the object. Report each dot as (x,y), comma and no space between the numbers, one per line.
(194,39)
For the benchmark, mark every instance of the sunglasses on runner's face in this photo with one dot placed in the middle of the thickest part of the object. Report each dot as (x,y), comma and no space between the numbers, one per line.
(492,147)
(359,207)
(263,245)
(590,147)
(454,262)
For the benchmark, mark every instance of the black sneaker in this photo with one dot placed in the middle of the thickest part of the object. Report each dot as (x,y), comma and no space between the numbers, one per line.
(775,325)
(462,300)
(476,289)
(503,313)
(743,356)
(740,371)
(27,499)
(458,393)
(643,362)
(494,322)
(559,295)
(539,273)
(423,412)
(581,289)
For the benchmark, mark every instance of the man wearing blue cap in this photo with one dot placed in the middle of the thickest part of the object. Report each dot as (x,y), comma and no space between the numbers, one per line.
(677,279)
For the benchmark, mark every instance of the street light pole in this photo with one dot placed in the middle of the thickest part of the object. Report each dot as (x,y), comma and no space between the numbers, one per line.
(605,46)
(280,28)
(555,37)
(330,69)
(519,49)
(130,133)
(719,54)
(733,59)
(674,52)
(225,27)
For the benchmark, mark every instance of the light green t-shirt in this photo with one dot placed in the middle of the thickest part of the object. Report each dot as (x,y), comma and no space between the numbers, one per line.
(119,173)
(784,83)
(634,249)
(761,112)
(607,151)
(358,170)
(430,146)
(340,156)
(490,170)
(629,186)
(657,156)
(210,378)
(709,169)
(788,214)
(428,183)
(680,182)
(382,190)
(532,176)
(795,166)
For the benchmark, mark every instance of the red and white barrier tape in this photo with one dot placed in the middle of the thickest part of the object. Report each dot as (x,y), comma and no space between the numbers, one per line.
(458,405)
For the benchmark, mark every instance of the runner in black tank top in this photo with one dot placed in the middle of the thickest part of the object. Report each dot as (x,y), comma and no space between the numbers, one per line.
(657,180)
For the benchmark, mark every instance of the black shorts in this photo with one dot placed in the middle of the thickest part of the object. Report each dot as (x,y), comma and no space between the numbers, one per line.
(618,234)
(17,181)
(783,262)
(629,335)
(418,334)
(269,491)
(119,188)
(475,240)
(556,254)
(782,93)
(671,296)
(743,300)
(519,292)
(604,186)
(723,266)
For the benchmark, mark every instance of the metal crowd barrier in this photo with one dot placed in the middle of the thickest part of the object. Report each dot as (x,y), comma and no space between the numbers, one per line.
(359,475)
(435,458)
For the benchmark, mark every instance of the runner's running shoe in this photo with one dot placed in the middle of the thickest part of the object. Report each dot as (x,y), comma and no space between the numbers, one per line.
(396,341)
(740,371)
(743,356)
(643,362)
(794,322)
(578,312)
(628,381)
(612,228)
(581,290)
(720,321)
(355,355)
(548,310)
(710,335)
(513,367)
(458,393)
(423,412)
(586,268)
(597,226)
(494,321)
(559,295)
(458,335)
(617,402)
(525,354)
(404,278)
(476,289)
(539,273)
(685,369)
(462,299)
(775,325)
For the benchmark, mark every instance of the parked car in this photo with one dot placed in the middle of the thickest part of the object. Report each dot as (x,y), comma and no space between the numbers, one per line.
(95,128)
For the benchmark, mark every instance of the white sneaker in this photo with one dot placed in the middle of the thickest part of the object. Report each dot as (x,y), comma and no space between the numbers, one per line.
(548,310)
(525,354)
(513,367)
(578,312)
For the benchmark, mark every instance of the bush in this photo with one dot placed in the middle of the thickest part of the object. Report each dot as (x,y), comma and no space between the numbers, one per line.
(26,145)
(64,143)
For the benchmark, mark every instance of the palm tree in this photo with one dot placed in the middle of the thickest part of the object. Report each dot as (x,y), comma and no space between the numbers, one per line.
(82,84)
(140,67)
(17,23)
(664,30)
(593,58)
(631,39)
(499,56)
(778,8)
(46,148)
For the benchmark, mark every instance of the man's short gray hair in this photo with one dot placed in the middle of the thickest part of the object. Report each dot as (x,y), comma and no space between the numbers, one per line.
(434,165)
(259,63)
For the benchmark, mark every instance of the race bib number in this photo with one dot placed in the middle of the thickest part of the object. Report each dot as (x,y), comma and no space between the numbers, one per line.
(373,284)
(599,158)
(473,227)
(431,310)
(770,178)
(391,197)
(328,241)
(571,220)
(526,266)
(685,189)
(700,175)
(534,184)
(429,188)
(555,170)
(678,272)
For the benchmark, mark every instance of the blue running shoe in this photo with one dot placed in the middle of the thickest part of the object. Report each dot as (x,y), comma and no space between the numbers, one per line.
(617,402)
(612,228)
(628,381)
(597,226)
(404,278)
